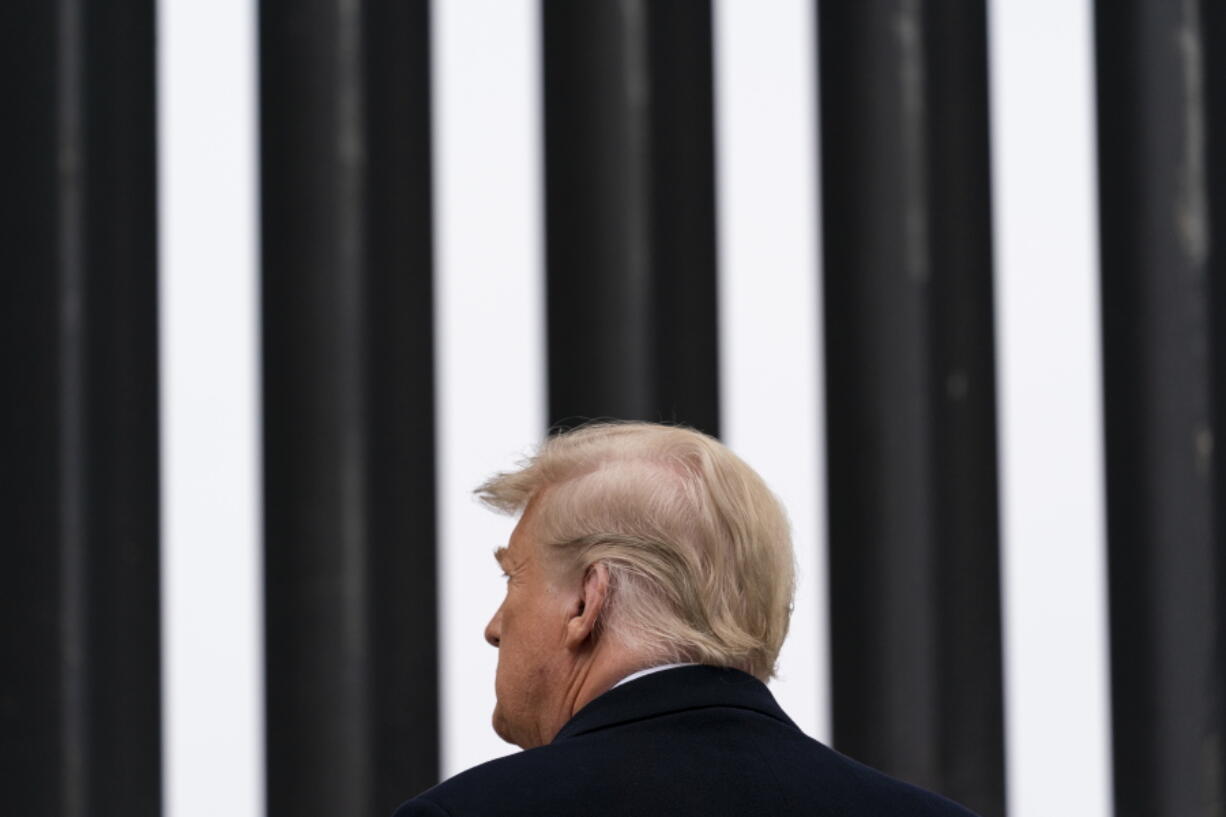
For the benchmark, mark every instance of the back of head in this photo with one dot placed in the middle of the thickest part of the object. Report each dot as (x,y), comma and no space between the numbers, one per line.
(698,549)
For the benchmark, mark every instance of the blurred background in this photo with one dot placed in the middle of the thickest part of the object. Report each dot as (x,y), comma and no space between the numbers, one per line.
(285,281)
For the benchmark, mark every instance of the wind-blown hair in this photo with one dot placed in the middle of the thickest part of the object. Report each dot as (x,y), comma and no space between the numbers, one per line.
(698,549)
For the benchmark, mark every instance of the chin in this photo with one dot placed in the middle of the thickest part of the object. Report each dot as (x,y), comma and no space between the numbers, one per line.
(500,726)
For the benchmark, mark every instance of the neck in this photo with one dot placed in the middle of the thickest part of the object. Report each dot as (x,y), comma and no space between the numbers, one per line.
(595,675)
(606,675)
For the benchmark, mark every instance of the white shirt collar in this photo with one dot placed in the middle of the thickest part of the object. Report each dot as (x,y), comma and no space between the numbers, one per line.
(632,676)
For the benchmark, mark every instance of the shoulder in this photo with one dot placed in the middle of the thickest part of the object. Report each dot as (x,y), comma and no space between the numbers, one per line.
(421,806)
(711,762)
(874,792)
(506,785)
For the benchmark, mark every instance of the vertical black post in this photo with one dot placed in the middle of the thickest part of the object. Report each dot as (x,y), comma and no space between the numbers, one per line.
(352,692)
(1214,31)
(630,209)
(915,608)
(79,689)
(1156,62)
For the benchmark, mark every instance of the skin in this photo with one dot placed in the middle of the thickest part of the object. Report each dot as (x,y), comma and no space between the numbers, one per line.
(551,661)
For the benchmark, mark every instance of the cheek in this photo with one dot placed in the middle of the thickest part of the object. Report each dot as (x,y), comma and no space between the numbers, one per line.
(524,642)
(512,633)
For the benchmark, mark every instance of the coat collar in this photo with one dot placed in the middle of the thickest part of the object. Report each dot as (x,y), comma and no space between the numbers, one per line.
(674,690)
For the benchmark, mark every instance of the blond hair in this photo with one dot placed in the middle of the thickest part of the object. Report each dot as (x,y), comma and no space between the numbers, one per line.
(698,549)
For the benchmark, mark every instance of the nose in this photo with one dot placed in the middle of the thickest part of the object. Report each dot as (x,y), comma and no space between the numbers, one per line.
(493,630)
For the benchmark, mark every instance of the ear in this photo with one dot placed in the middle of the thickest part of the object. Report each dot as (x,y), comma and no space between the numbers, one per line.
(588,606)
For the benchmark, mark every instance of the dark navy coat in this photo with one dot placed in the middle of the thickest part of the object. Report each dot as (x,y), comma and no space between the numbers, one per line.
(695,740)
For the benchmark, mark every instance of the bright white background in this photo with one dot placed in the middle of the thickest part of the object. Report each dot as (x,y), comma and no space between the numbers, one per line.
(209,300)
(490,356)
(771,370)
(1049,373)
(490,308)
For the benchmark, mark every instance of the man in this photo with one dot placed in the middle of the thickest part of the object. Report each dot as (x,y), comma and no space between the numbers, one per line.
(649,586)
